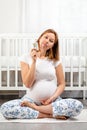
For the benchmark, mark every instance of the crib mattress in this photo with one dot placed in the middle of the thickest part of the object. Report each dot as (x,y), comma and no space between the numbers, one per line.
(74,61)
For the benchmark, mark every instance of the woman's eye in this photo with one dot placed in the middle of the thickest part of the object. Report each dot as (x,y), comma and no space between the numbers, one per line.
(51,41)
(46,37)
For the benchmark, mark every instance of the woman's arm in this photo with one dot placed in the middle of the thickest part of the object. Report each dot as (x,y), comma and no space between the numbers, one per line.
(60,80)
(28,74)
(61,85)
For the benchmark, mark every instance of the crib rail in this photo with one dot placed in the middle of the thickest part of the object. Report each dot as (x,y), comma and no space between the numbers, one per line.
(72,52)
(11,48)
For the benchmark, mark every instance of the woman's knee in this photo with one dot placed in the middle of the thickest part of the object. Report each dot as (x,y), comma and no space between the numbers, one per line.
(7,108)
(78,106)
(74,107)
(13,109)
(67,107)
(4,110)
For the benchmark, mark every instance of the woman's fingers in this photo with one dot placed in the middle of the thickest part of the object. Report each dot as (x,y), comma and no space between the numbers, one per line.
(34,53)
(46,102)
(24,103)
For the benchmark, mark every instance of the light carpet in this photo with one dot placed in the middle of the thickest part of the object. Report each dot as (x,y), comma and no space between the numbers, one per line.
(81,118)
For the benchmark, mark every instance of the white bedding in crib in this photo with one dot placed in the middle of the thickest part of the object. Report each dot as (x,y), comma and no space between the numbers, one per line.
(81,118)
(75,61)
(66,61)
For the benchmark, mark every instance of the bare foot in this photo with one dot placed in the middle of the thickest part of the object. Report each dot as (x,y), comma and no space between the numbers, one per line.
(62,117)
(28,104)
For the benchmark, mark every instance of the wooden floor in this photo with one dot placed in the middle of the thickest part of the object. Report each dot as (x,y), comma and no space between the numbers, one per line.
(46,126)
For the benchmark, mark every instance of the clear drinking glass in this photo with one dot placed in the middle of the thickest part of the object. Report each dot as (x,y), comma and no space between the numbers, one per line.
(35,45)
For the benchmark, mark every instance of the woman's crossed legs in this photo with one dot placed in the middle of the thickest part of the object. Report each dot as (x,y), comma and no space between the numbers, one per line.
(26,108)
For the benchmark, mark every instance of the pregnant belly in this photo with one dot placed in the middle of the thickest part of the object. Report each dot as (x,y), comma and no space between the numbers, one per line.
(42,90)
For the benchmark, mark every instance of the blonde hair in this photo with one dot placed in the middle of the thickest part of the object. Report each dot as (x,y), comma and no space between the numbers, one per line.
(52,53)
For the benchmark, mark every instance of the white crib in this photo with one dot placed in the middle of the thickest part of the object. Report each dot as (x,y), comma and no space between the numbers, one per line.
(73,56)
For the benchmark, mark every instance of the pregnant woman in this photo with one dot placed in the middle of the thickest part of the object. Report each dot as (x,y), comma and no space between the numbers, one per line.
(42,75)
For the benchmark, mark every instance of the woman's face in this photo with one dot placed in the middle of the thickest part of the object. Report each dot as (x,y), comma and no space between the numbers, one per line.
(47,41)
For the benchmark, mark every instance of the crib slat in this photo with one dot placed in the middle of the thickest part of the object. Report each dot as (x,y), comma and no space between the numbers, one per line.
(79,62)
(16,71)
(0,76)
(7,54)
(0,63)
(8,78)
(71,71)
(80,50)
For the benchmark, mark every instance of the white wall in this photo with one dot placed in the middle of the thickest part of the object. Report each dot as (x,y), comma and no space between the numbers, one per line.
(9,16)
(73,16)
(66,16)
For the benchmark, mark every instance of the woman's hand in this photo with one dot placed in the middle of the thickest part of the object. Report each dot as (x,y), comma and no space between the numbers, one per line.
(34,54)
(48,101)
(24,103)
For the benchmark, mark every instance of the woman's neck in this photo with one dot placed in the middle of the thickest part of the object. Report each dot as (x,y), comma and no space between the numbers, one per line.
(42,54)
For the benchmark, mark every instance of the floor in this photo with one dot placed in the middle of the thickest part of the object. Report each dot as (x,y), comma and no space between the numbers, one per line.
(77,123)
